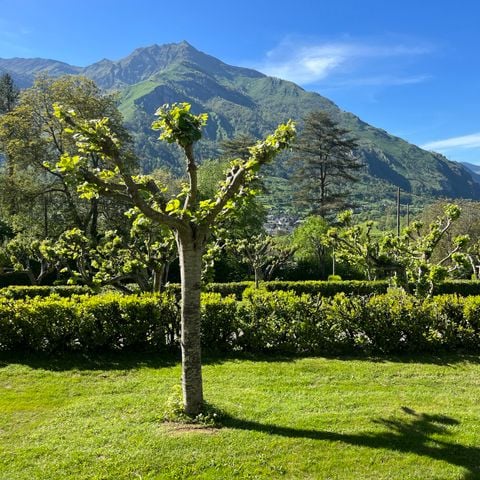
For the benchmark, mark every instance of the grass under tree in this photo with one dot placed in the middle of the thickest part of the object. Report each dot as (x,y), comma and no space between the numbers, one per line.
(318,418)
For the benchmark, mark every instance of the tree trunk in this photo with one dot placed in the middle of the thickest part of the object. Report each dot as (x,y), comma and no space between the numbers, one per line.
(158,272)
(258,276)
(190,253)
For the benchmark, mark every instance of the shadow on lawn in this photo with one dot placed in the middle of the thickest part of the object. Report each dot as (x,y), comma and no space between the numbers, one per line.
(413,435)
(95,361)
(130,359)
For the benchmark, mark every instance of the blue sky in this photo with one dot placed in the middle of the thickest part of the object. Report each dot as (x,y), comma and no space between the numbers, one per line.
(409,67)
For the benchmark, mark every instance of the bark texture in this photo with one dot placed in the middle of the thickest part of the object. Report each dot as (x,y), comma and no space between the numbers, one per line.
(190,249)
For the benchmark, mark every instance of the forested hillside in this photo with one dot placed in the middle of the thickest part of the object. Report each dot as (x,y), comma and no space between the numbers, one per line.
(241,100)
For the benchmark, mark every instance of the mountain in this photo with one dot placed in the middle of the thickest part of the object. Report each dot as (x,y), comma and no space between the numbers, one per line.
(241,100)
(473,168)
(24,70)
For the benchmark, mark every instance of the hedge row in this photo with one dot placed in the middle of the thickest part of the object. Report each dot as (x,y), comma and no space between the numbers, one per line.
(17,292)
(262,321)
(349,287)
(109,321)
(311,287)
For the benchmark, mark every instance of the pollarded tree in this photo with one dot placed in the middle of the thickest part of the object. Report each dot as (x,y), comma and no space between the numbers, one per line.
(324,163)
(409,257)
(141,256)
(189,217)
(263,254)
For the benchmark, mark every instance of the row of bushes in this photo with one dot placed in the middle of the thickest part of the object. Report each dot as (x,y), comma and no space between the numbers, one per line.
(261,322)
(349,287)
(109,321)
(17,292)
(311,287)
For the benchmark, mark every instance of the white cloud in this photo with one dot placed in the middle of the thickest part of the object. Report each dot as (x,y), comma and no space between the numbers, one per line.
(384,80)
(310,63)
(464,142)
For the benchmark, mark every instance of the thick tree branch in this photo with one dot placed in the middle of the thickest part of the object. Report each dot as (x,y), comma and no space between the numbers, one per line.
(192,198)
(232,188)
(134,192)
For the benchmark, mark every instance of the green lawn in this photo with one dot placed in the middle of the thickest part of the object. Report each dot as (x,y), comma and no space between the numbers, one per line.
(313,418)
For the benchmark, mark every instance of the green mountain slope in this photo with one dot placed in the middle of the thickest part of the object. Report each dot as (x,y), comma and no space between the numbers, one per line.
(241,100)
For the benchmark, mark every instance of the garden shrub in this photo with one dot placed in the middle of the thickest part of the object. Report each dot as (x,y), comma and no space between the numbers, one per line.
(18,292)
(344,316)
(460,287)
(109,321)
(453,326)
(312,287)
(219,326)
(393,322)
(471,319)
(279,321)
(333,286)
(11,335)
(48,324)
(262,321)
(225,289)
(14,278)
(334,278)
(445,312)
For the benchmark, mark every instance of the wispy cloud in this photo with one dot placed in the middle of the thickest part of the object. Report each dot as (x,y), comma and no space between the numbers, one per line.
(463,142)
(383,80)
(313,62)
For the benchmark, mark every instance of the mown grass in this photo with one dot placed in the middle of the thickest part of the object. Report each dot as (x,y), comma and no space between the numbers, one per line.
(311,418)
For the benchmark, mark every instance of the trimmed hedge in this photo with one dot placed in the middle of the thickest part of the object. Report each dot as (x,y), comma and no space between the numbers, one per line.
(312,287)
(237,289)
(460,287)
(331,288)
(279,321)
(17,292)
(109,321)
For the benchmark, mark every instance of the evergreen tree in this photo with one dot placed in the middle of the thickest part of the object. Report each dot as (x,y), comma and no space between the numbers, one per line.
(326,163)
(237,147)
(8,93)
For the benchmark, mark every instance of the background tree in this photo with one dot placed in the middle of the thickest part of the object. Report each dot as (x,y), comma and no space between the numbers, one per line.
(362,247)
(141,256)
(245,222)
(8,93)
(27,255)
(311,247)
(36,199)
(324,163)
(410,257)
(237,147)
(33,141)
(468,223)
(263,253)
(190,218)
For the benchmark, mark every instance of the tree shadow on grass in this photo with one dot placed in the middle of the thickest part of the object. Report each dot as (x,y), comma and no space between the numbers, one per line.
(122,360)
(131,359)
(447,359)
(412,435)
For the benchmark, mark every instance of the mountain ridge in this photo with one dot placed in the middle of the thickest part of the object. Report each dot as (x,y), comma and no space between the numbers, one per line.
(242,100)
